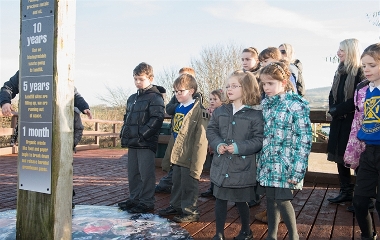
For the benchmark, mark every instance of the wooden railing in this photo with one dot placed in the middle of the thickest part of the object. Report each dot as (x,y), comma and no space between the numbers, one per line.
(97,133)
(316,116)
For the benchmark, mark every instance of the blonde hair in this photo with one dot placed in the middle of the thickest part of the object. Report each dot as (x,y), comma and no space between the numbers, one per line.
(186,81)
(250,88)
(188,70)
(278,71)
(373,51)
(352,49)
(289,51)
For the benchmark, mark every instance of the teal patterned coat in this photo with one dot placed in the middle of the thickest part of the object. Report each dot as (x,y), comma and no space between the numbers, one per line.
(287,141)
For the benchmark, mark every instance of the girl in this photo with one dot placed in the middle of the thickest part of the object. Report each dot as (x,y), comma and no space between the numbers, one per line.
(368,177)
(282,162)
(250,60)
(341,108)
(235,131)
(215,99)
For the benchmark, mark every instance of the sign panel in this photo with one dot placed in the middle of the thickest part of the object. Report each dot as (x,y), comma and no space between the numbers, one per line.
(36,95)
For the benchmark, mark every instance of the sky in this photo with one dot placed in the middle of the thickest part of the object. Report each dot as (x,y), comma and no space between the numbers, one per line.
(113,37)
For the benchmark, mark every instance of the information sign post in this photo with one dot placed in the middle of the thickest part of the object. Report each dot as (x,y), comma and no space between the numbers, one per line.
(45,119)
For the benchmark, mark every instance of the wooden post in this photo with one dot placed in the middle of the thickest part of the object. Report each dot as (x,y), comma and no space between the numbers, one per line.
(44,215)
(114,138)
(97,139)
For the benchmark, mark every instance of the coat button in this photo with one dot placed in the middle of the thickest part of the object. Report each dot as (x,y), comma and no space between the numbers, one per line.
(233,123)
(243,157)
(226,175)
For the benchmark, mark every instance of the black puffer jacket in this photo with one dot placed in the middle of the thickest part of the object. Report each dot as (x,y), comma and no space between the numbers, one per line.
(143,119)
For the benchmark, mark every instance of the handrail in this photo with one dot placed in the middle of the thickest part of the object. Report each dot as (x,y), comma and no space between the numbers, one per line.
(316,116)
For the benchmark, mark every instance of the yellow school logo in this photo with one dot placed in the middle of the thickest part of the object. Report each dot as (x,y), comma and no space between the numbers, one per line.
(371,110)
(177,122)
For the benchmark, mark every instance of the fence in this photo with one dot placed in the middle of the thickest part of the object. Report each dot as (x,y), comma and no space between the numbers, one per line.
(316,117)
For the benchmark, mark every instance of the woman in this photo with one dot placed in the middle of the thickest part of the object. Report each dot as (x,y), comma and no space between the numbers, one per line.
(341,108)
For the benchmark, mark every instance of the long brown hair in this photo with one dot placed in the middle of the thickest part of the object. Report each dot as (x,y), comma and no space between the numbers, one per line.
(249,86)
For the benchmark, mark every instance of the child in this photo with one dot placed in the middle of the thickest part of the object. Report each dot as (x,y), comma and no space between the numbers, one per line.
(269,55)
(186,150)
(367,179)
(236,133)
(215,99)
(282,163)
(142,122)
(295,67)
(250,60)
(165,184)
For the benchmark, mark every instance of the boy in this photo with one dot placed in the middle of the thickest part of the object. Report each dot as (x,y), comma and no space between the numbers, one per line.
(187,150)
(166,183)
(142,123)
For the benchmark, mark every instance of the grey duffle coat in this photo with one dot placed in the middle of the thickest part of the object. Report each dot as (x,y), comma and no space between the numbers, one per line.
(245,129)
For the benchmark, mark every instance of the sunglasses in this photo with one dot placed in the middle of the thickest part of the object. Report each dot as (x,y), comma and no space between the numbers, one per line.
(283,51)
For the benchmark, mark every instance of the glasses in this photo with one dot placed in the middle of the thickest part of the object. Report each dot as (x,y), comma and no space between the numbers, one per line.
(283,51)
(232,86)
(179,92)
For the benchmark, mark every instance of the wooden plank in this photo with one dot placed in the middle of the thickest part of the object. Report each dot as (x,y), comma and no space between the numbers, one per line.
(343,223)
(323,225)
(6,150)
(99,133)
(319,147)
(6,131)
(299,201)
(319,116)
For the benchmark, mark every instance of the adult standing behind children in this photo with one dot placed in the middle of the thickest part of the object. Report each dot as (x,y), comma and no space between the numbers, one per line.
(235,132)
(282,163)
(368,176)
(295,67)
(142,123)
(186,151)
(341,108)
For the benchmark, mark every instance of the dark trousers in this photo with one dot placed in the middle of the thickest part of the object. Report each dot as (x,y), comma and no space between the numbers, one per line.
(185,190)
(141,175)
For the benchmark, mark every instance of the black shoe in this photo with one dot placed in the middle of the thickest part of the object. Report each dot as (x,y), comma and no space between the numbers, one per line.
(186,218)
(159,189)
(169,211)
(129,204)
(207,194)
(345,194)
(141,208)
(244,236)
(253,203)
(216,237)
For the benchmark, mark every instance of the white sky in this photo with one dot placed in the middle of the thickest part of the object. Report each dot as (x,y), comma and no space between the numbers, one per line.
(112,37)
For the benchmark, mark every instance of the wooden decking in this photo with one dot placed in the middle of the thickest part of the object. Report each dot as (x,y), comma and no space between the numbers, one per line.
(100,178)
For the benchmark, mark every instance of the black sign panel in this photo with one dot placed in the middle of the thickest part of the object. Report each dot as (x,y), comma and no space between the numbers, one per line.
(36,95)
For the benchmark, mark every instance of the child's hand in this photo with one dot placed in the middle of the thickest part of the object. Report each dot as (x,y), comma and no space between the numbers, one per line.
(230,148)
(293,182)
(222,149)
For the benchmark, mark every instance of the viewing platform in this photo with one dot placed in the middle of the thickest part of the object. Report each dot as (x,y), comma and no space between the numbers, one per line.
(100,179)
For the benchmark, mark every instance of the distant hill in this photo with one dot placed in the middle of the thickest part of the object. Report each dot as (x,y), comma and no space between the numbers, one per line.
(318,98)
